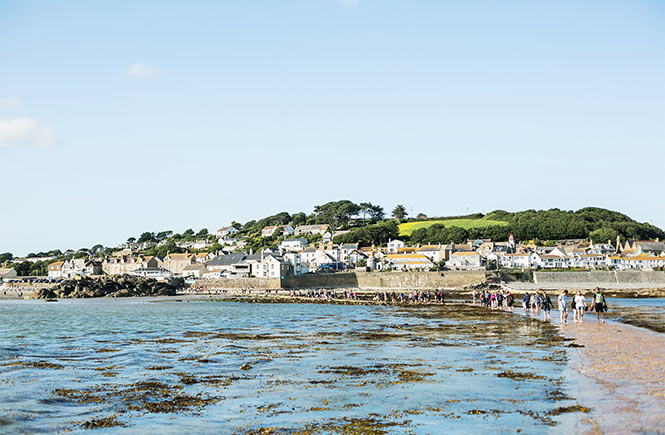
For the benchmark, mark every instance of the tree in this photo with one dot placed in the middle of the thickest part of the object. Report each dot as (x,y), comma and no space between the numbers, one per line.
(236,225)
(146,237)
(202,234)
(603,234)
(131,240)
(163,235)
(336,213)
(7,256)
(399,212)
(377,234)
(365,209)
(188,234)
(376,213)
(96,248)
(421,216)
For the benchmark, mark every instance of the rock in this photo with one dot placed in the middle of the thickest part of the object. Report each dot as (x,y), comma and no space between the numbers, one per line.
(43,293)
(245,366)
(106,287)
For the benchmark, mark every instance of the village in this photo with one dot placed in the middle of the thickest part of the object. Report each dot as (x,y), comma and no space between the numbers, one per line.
(296,256)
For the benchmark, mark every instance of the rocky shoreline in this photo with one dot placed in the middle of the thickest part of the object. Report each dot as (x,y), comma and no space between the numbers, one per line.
(114,287)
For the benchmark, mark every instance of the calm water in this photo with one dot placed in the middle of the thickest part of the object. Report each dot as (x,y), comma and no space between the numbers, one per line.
(176,366)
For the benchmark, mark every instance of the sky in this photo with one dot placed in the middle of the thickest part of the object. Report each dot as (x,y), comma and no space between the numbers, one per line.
(119,117)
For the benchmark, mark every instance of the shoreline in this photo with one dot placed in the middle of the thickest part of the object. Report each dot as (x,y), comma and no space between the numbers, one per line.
(618,368)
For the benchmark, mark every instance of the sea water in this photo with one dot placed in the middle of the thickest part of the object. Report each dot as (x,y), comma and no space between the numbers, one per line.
(140,365)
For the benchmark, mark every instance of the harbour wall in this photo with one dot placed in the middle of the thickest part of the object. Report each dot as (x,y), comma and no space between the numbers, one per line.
(626,279)
(359,280)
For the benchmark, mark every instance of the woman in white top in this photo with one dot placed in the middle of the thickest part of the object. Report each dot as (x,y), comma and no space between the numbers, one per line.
(580,303)
(563,306)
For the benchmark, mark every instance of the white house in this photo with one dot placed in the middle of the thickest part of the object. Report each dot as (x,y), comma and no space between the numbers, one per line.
(225,232)
(409,261)
(287,230)
(395,245)
(294,260)
(158,273)
(194,270)
(345,250)
(270,266)
(465,260)
(310,229)
(293,245)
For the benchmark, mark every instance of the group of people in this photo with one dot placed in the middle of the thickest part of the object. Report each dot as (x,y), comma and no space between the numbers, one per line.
(495,300)
(540,301)
(579,306)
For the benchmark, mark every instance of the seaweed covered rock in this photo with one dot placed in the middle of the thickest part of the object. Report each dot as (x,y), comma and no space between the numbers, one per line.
(107,286)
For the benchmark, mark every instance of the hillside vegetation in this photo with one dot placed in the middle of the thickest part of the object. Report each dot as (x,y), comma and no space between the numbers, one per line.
(407,228)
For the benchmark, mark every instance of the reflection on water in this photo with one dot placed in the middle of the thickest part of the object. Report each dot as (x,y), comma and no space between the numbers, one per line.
(237,368)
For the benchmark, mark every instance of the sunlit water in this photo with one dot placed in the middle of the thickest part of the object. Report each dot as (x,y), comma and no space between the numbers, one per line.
(316,368)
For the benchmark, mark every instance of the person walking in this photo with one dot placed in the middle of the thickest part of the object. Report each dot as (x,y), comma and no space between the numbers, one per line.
(547,306)
(563,306)
(580,304)
(599,305)
(525,301)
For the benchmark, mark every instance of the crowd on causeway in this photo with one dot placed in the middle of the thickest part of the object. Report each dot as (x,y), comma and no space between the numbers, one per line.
(540,301)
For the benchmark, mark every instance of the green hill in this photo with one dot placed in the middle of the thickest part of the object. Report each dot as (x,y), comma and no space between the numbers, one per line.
(407,228)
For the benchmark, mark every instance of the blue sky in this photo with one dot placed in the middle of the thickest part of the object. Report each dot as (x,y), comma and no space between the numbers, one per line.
(118,117)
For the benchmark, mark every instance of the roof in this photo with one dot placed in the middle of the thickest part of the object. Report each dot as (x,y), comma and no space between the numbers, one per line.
(227,260)
(202,254)
(185,256)
(465,253)
(429,248)
(349,246)
(56,263)
(225,229)
(405,256)
(195,267)
(5,270)
(297,239)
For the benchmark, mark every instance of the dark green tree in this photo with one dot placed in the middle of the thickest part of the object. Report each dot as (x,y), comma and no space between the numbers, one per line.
(399,212)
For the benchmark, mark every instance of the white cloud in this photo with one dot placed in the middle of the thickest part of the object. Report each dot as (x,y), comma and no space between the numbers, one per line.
(9,102)
(140,71)
(348,3)
(25,132)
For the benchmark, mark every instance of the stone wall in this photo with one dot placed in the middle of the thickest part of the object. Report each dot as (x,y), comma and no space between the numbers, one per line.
(360,280)
(605,279)
(387,280)
(239,283)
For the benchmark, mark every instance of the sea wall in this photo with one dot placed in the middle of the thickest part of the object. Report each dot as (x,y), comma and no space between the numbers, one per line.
(606,279)
(360,280)
(239,283)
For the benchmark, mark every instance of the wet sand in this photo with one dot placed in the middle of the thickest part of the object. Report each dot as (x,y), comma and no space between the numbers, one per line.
(623,370)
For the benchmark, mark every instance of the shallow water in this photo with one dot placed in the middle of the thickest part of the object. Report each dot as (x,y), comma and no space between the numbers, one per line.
(135,365)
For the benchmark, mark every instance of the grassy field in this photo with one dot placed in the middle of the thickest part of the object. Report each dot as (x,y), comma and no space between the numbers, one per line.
(408,227)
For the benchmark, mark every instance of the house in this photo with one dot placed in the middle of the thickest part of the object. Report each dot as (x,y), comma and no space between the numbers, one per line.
(345,250)
(287,230)
(302,230)
(641,262)
(120,265)
(521,260)
(201,244)
(294,260)
(203,257)
(195,270)
(270,266)
(55,269)
(225,232)
(465,260)
(434,252)
(7,273)
(395,245)
(357,257)
(324,260)
(588,261)
(308,255)
(228,263)
(409,262)
(213,274)
(158,273)
(176,263)
(293,245)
